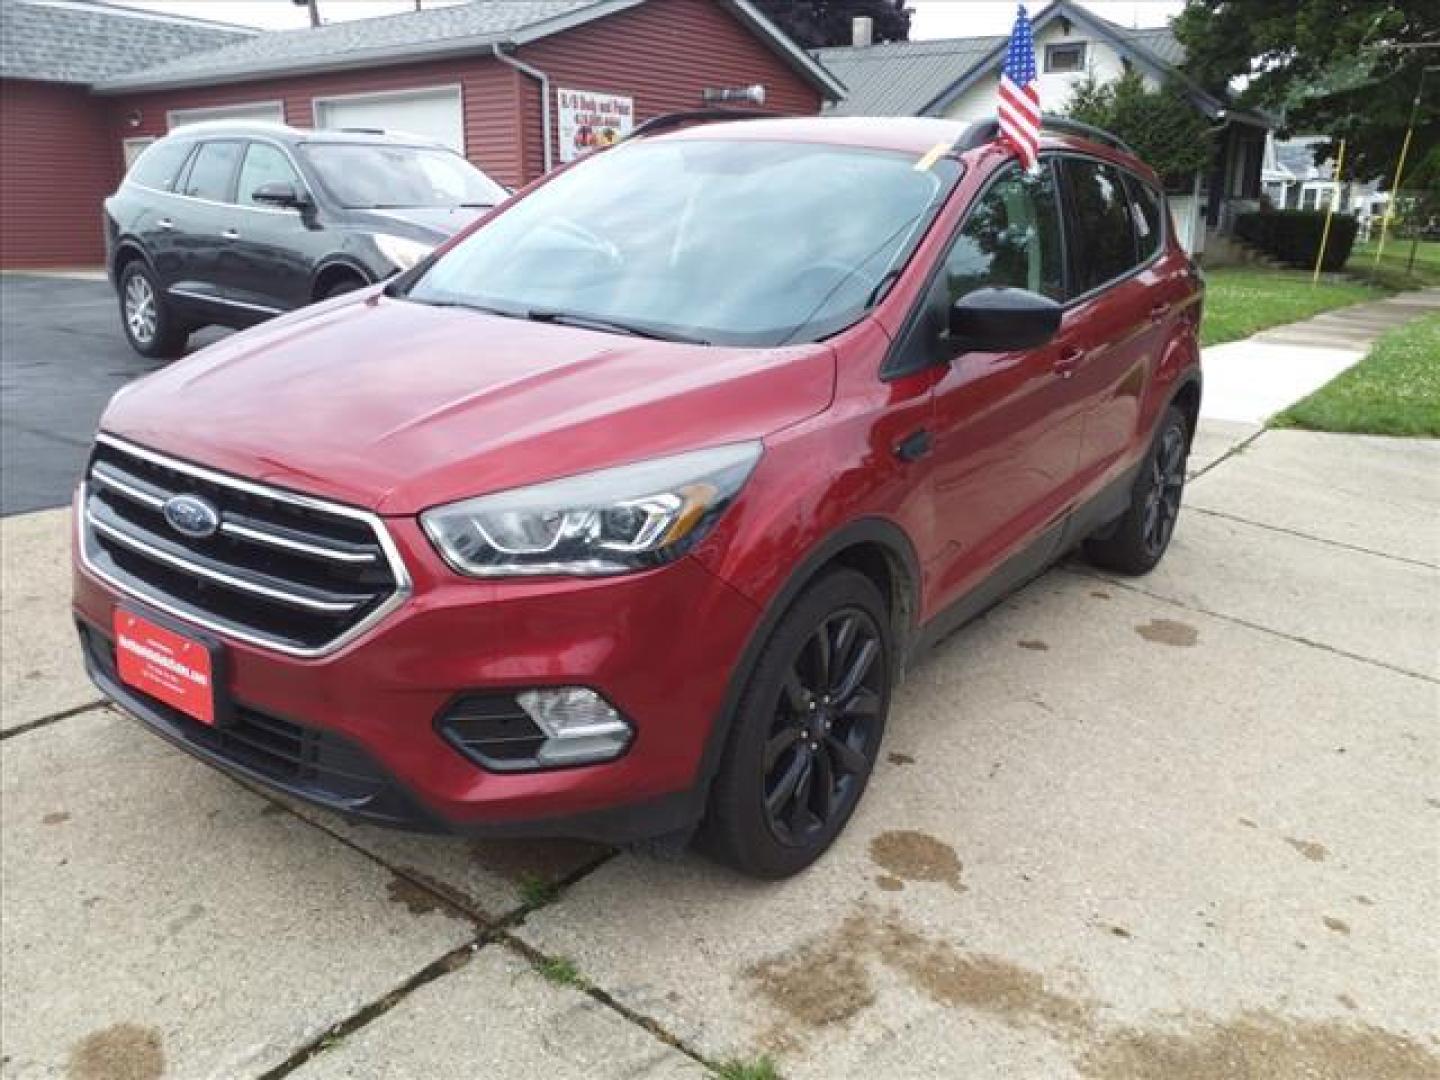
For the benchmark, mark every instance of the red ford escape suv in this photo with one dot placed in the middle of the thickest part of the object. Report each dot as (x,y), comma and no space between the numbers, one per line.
(622,512)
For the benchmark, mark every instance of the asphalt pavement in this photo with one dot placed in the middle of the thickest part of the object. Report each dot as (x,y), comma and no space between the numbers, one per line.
(62,355)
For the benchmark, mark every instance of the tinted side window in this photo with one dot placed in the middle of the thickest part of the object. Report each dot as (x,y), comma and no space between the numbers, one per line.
(1104,232)
(212,170)
(1011,237)
(1148,210)
(264,164)
(158,165)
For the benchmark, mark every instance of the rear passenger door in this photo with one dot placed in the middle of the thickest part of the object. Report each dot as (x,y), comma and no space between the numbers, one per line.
(200,218)
(1111,311)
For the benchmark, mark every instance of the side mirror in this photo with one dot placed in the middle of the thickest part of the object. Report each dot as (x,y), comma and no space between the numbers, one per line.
(280,193)
(1002,320)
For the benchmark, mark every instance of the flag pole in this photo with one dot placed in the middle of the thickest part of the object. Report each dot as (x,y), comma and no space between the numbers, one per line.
(1400,167)
(1330,213)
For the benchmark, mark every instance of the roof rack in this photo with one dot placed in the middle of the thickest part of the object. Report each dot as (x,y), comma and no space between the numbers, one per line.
(985,131)
(697,116)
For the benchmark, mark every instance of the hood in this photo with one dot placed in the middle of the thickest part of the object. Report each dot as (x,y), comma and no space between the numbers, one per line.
(396,406)
(430,222)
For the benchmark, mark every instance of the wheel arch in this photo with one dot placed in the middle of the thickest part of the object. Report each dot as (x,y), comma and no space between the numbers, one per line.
(128,250)
(875,547)
(334,269)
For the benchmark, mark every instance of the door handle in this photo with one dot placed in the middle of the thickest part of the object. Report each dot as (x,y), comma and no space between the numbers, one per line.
(1068,361)
(914,446)
(1159,311)
(230,234)
(165,223)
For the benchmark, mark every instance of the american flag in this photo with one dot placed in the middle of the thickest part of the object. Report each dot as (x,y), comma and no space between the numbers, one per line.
(1019,106)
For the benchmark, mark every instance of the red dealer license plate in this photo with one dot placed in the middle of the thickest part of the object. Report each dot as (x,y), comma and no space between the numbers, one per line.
(166,665)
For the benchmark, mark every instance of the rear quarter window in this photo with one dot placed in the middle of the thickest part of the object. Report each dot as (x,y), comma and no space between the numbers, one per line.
(1147,207)
(1104,230)
(157,166)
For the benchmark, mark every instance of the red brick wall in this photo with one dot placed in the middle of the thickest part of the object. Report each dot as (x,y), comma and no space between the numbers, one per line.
(58,162)
(663,54)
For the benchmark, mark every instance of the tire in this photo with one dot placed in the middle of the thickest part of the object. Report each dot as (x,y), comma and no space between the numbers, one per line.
(1136,542)
(818,734)
(150,323)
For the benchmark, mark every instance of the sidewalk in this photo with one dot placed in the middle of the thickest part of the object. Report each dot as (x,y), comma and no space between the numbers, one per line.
(1249,381)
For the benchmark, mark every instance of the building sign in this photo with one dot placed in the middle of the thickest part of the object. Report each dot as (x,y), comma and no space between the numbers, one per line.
(589,121)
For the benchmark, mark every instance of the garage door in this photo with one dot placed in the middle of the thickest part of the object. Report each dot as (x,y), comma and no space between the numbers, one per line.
(431,114)
(271,111)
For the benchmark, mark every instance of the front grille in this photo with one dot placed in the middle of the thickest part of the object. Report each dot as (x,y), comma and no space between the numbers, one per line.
(282,570)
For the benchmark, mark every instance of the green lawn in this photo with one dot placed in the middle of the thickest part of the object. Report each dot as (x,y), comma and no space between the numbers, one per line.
(1241,301)
(1395,390)
(1394,269)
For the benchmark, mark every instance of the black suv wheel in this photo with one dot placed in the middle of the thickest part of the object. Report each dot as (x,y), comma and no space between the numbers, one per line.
(1136,542)
(807,730)
(150,323)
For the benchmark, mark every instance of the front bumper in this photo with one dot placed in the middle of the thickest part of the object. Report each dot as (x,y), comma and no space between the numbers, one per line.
(356,731)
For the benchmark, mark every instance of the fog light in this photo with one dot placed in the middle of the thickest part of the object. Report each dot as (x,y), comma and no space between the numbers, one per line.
(580,726)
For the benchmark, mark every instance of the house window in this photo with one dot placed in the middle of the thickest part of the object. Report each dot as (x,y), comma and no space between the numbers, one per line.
(1065,56)
(1308,198)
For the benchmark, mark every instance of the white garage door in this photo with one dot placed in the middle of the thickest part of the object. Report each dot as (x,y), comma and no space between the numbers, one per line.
(271,111)
(431,114)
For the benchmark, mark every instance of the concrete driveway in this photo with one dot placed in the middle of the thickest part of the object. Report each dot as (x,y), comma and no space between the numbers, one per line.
(1183,827)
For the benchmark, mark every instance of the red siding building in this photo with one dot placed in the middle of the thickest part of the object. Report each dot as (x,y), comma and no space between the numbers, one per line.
(480,76)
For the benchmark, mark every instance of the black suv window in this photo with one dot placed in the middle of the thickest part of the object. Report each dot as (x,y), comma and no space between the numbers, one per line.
(211,171)
(1104,232)
(264,164)
(159,164)
(1148,212)
(1010,238)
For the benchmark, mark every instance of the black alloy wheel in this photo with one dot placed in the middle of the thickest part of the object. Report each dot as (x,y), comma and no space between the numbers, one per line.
(806,730)
(1162,500)
(821,740)
(1137,540)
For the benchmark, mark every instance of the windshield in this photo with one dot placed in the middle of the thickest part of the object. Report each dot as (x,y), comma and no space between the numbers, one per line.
(372,176)
(731,242)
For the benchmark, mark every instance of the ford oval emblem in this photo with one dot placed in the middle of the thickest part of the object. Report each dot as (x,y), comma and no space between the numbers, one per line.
(192,516)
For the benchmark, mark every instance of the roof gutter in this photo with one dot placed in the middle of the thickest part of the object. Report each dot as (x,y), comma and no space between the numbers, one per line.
(498,51)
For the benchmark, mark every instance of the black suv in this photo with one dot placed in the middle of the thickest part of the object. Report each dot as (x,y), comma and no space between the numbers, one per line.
(232,223)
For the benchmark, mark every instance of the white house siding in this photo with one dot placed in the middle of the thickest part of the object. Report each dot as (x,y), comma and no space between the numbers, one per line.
(1101,61)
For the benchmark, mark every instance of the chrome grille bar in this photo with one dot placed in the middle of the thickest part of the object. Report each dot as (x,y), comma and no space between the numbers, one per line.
(335,568)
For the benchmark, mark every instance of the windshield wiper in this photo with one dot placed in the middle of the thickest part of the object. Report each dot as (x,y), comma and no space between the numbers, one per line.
(590,322)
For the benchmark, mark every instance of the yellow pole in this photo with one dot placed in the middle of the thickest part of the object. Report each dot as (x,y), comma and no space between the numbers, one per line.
(1330,212)
(1394,193)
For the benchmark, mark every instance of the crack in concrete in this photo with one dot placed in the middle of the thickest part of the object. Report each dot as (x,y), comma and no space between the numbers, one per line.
(1235,620)
(46,721)
(1234,450)
(491,931)
(1317,539)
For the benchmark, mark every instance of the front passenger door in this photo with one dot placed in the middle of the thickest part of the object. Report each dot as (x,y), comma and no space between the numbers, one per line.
(1007,426)
(270,251)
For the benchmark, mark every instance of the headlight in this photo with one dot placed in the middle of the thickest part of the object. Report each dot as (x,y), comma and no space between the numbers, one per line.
(403,253)
(607,522)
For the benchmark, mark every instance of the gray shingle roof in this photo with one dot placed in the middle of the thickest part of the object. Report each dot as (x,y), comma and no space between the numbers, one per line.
(900,78)
(390,38)
(77,41)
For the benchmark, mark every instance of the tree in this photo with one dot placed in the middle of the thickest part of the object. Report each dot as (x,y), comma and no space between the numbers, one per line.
(1165,130)
(1329,67)
(815,24)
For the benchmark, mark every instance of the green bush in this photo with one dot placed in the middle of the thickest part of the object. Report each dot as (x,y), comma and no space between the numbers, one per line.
(1293,236)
